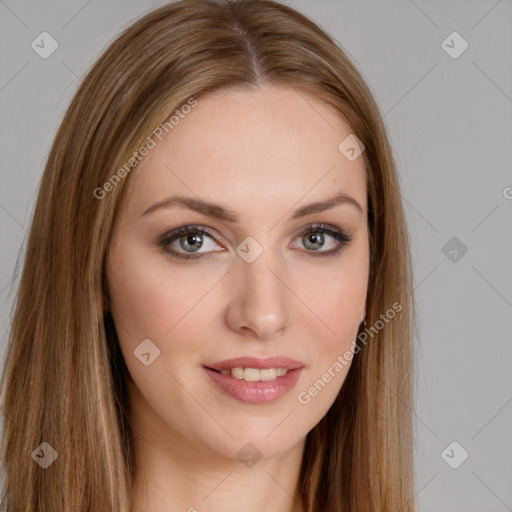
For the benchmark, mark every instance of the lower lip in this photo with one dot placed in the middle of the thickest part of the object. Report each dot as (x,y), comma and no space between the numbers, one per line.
(260,392)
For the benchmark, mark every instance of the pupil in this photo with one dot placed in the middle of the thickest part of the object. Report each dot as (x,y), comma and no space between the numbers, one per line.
(190,239)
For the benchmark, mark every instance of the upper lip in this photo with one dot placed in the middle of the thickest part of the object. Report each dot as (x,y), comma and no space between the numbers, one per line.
(254,362)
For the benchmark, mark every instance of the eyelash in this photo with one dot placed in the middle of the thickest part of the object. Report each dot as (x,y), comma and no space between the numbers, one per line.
(343,239)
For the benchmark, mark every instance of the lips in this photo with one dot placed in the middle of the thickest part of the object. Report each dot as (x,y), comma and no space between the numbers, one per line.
(254,362)
(260,392)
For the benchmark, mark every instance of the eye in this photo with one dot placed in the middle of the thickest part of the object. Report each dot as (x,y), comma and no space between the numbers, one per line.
(186,242)
(315,238)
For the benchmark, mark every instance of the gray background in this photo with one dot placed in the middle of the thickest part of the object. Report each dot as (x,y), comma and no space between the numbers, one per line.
(450,124)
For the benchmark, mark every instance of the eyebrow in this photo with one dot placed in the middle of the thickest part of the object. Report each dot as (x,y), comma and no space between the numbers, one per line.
(225,213)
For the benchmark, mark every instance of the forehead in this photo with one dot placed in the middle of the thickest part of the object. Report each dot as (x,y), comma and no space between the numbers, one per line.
(269,146)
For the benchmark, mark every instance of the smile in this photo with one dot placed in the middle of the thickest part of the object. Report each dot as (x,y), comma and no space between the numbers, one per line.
(252,385)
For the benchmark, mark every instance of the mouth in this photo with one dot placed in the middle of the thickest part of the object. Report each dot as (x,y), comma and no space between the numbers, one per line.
(255,381)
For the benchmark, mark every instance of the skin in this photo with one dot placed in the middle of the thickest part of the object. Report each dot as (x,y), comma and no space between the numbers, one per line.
(263,154)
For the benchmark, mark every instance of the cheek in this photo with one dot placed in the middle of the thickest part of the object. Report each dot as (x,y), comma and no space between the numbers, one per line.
(334,299)
(152,299)
(145,298)
(338,306)
(137,299)
(343,303)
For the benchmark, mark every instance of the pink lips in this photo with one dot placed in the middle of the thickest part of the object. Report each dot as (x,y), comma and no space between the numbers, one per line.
(255,392)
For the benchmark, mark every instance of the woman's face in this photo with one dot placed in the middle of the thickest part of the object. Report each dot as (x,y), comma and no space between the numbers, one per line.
(265,281)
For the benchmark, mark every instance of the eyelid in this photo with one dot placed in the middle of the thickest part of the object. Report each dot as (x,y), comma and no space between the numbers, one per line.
(322,226)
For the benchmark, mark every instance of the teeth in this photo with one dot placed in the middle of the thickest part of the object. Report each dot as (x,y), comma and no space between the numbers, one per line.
(269,374)
(254,374)
(237,373)
(251,374)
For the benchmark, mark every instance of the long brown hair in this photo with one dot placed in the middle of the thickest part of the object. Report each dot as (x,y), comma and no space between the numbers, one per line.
(63,381)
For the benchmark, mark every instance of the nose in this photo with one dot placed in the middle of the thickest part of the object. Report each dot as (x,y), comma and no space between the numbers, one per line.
(259,306)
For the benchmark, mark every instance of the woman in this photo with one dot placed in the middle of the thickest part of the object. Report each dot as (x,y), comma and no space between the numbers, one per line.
(215,310)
